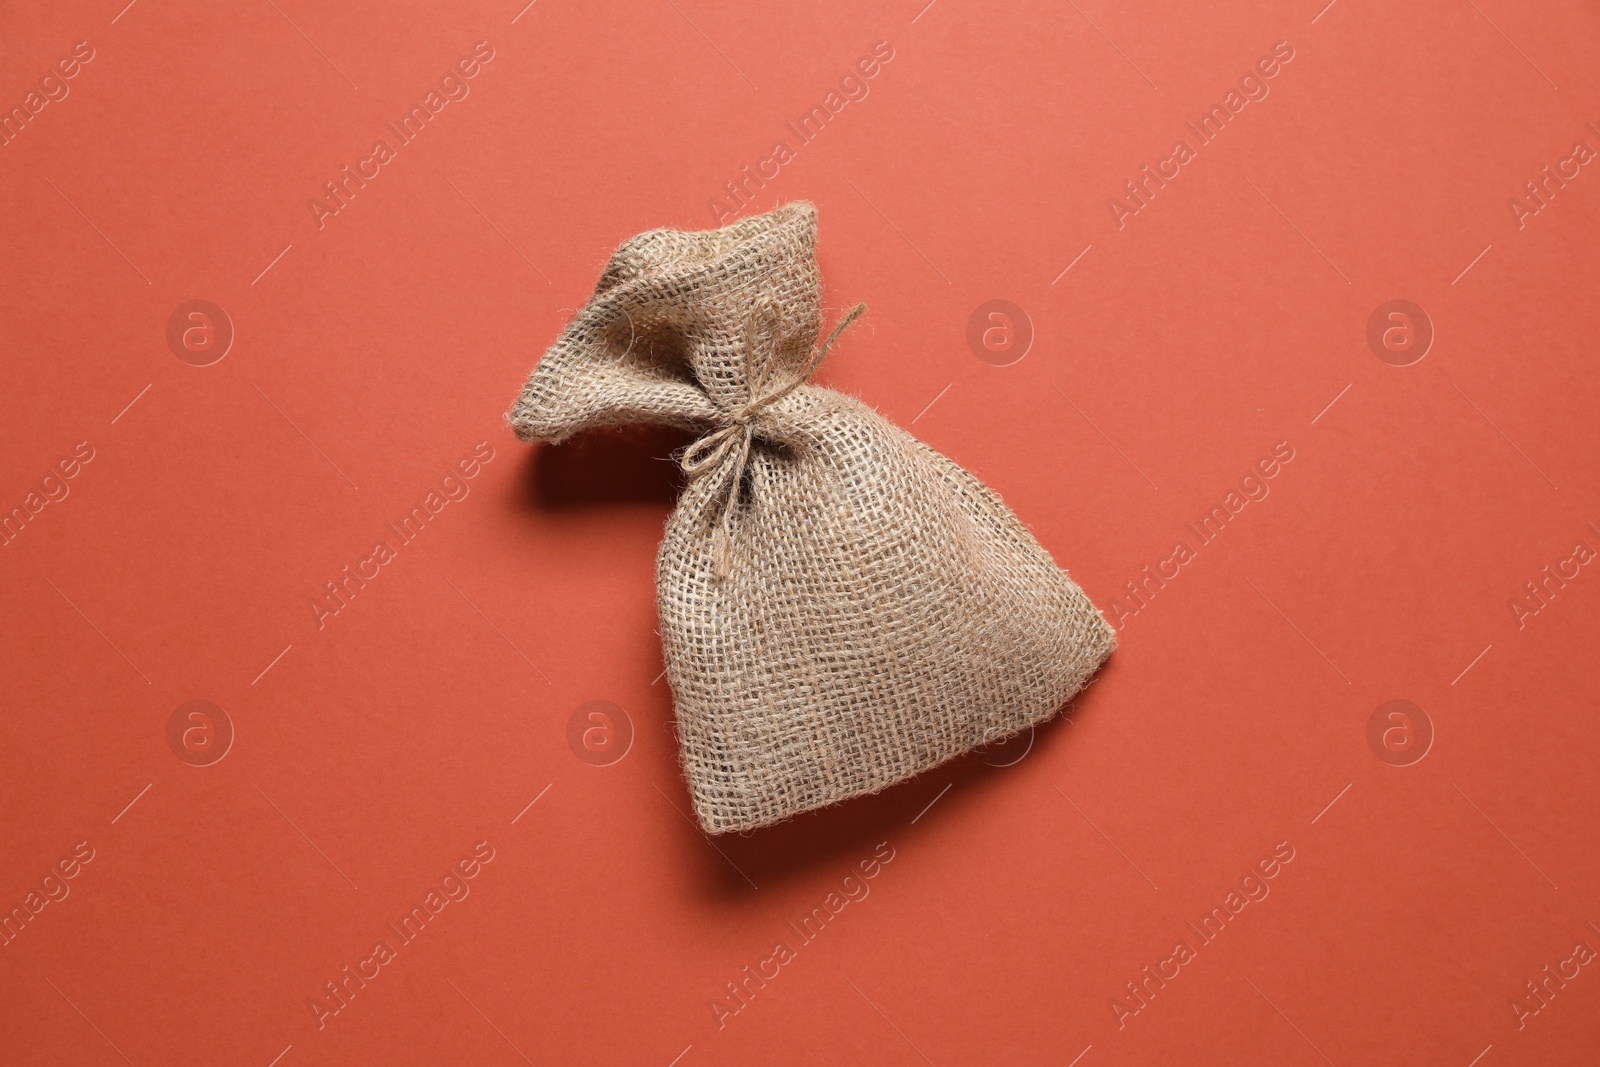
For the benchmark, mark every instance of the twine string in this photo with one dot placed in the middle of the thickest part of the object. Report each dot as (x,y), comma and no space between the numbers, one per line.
(727,448)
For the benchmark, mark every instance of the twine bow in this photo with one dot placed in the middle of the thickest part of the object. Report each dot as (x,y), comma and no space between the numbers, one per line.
(733,441)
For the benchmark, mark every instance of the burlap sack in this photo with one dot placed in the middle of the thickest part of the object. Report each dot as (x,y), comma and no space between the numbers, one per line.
(841,606)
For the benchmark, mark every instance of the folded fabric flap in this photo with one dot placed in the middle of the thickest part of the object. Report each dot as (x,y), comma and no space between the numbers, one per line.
(683,328)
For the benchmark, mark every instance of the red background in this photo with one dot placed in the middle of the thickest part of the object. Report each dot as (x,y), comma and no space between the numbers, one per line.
(371,353)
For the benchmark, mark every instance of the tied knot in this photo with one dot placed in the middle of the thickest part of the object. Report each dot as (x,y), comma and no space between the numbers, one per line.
(725,451)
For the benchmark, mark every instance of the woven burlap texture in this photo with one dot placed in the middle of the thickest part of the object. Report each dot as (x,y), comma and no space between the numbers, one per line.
(841,606)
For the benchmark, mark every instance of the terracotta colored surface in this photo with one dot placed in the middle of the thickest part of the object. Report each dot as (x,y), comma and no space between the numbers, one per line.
(1222,341)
